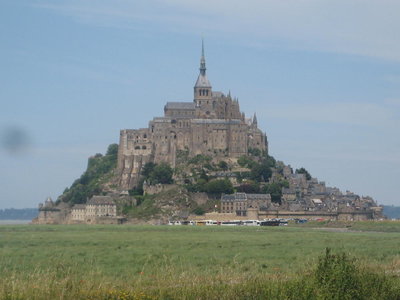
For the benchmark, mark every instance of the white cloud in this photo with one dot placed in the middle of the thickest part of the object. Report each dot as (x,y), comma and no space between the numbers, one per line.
(367,27)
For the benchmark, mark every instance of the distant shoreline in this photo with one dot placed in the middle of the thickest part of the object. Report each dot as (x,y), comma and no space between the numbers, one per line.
(14,222)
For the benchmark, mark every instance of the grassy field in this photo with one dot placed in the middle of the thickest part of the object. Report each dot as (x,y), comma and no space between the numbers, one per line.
(168,262)
(371,226)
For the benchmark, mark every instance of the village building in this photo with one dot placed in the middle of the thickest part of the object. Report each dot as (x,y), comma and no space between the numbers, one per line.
(98,207)
(239,203)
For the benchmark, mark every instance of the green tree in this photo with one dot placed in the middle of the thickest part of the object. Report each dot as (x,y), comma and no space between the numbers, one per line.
(147,169)
(219,186)
(254,151)
(260,172)
(275,190)
(245,161)
(199,211)
(249,186)
(161,173)
(112,150)
(223,165)
(303,171)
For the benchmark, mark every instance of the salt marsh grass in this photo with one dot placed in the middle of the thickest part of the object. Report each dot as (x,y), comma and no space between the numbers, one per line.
(182,262)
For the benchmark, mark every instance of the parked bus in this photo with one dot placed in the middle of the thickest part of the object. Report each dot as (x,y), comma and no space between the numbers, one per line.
(211,222)
(270,223)
(231,223)
(251,223)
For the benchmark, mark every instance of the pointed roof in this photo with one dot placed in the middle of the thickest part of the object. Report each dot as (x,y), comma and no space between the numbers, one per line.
(255,119)
(202,80)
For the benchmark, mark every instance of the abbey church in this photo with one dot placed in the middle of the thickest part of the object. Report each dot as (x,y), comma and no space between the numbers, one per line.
(212,124)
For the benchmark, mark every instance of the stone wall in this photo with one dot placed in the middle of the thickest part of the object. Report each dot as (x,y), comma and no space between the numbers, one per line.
(158,188)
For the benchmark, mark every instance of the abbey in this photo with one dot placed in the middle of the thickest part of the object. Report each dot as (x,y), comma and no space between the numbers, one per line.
(212,124)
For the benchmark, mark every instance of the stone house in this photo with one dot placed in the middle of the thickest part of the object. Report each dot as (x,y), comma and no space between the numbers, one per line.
(239,203)
(97,207)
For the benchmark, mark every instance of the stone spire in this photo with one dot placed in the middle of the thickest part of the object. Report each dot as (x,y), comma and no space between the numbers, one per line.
(202,88)
(202,60)
(255,119)
(202,80)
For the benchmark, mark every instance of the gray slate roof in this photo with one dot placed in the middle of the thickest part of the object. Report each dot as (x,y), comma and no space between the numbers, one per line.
(202,81)
(217,94)
(244,197)
(215,121)
(101,200)
(180,105)
(79,206)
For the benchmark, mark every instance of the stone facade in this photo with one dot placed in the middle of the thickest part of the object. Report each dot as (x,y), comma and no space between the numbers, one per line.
(98,210)
(50,213)
(240,203)
(212,124)
(98,207)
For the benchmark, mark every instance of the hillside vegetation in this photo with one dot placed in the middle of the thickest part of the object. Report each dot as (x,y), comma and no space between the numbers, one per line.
(99,171)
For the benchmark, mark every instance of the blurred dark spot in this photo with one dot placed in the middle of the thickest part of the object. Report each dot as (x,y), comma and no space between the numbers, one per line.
(15,140)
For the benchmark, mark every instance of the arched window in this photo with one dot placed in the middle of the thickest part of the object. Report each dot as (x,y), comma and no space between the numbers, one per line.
(144,147)
(145,136)
(137,147)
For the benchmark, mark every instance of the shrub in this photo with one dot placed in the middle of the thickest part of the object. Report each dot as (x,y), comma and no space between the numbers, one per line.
(219,186)
(305,172)
(223,165)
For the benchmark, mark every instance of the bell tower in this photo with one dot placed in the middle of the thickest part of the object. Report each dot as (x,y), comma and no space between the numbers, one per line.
(202,88)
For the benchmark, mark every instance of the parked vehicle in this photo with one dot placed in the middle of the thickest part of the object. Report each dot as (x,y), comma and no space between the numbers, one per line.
(231,223)
(251,223)
(270,223)
(211,222)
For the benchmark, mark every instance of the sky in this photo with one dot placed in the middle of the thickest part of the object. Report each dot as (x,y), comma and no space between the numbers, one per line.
(322,76)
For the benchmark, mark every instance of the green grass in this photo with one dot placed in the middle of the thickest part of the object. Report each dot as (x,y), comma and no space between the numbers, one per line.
(371,226)
(58,261)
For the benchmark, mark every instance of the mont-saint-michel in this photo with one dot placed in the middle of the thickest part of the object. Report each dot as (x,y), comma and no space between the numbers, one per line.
(203,160)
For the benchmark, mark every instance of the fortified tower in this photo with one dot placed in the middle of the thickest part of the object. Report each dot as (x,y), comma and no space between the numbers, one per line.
(211,124)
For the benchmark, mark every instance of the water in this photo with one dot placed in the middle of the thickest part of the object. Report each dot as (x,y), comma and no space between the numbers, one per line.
(14,222)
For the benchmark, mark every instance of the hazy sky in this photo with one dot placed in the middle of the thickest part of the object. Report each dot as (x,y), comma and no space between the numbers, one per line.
(323,77)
